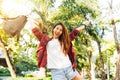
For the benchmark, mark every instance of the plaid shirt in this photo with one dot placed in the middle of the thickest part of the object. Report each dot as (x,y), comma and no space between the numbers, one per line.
(42,52)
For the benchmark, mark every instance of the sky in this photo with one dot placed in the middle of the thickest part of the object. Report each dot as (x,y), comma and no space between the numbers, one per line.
(104,4)
(18,7)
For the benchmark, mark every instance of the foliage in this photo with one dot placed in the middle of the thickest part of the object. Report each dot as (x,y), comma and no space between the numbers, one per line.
(16,49)
(27,53)
(3,35)
(25,63)
(72,13)
(4,71)
(81,51)
(29,75)
(30,78)
(42,9)
(107,52)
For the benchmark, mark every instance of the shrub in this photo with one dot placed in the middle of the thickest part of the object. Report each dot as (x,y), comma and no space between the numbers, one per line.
(29,75)
(4,71)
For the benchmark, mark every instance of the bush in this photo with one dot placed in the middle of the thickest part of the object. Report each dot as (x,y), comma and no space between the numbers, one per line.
(4,71)
(29,75)
(30,78)
(0,79)
(25,64)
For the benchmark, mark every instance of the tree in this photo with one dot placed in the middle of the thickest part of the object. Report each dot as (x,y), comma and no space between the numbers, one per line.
(42,8)
(117,77)
(6,54)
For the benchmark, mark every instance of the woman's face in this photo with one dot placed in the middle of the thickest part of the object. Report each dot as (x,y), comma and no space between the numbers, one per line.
(57,31)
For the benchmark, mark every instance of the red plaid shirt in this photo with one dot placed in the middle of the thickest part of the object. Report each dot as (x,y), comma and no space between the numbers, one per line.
(42,52)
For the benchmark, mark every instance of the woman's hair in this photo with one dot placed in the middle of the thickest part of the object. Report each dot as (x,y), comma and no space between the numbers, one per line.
(64,38)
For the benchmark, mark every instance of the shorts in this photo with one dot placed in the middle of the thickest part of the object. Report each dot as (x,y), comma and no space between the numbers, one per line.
(63,74)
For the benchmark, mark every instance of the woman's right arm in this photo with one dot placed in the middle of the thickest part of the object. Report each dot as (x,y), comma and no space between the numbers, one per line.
(37,33)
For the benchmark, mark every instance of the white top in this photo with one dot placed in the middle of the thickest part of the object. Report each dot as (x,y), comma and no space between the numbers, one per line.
(55,56)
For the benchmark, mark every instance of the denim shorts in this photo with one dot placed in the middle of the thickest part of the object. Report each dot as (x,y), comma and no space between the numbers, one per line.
(63,74)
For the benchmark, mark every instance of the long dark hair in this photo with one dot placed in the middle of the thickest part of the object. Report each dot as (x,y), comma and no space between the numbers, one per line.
(64,38)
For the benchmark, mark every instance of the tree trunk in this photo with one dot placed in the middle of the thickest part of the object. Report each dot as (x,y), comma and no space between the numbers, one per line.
(108,66)
(10,67)
(101,61)
(90,62)
(117,77)
(115,37)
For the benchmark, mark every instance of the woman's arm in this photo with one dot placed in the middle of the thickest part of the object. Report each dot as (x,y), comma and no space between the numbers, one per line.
(36,29)
(37,33)
(74,33)
(83,26)
(36,25)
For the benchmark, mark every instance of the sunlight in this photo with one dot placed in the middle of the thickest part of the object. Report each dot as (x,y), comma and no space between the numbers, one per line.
(1,21)
(14,8)
(9,7)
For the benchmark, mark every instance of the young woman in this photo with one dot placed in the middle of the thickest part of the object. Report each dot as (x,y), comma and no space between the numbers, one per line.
(57,54)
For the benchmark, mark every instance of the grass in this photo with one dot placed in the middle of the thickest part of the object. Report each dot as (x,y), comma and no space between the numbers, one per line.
(30,78)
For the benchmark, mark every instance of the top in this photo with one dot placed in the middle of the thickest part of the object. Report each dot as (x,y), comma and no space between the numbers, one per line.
(55,57)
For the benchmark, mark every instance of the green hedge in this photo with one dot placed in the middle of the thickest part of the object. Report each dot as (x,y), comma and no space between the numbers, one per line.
(30,78)
(4,71)
(0,79)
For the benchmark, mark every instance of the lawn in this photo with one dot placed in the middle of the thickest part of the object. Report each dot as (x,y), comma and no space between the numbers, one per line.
(30,78)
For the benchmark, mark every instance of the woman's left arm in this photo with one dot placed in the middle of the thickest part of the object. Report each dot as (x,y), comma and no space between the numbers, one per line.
(83,26)
(74,33)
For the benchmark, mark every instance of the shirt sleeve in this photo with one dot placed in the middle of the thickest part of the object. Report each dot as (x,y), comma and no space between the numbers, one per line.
(73,34)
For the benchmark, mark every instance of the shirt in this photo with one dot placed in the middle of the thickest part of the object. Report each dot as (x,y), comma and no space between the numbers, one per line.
(55,57)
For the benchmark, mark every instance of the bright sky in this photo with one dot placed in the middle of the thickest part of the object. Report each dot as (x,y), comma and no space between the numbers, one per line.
(15,8)
(116,7)
(106,14)
(19,7)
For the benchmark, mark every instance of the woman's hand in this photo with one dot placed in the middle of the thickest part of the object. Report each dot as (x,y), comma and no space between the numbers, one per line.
(42,72)
(88,23)
(83,26)
(33,24)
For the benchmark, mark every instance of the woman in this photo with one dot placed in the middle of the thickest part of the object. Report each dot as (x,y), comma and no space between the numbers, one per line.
(57,54)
